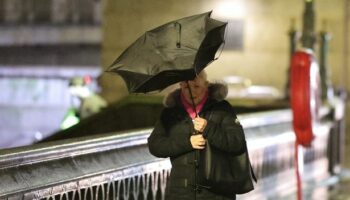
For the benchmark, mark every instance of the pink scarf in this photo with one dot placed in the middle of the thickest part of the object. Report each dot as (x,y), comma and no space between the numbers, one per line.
(189,108)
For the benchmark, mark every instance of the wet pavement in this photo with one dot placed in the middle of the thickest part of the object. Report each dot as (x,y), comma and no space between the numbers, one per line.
(332,188)
(341,190)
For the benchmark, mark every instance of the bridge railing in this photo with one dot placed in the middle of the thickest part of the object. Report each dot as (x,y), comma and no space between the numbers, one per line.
(119,165)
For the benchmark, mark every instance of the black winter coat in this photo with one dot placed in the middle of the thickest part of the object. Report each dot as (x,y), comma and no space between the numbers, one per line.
(171,138)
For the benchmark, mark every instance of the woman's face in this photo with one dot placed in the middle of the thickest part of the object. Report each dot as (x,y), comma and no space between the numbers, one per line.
(199,87)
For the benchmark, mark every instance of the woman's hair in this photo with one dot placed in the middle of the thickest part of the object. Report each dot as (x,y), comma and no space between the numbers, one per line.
(203,75)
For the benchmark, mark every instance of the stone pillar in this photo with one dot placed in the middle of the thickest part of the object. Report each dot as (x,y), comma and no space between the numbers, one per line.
(294,36)
(42,11)
(308,37)
(13,11)
(75,9)
(345,77)
(85,11)
(325,73)
(28,8)
(60,11)
(2,11)
(97,11)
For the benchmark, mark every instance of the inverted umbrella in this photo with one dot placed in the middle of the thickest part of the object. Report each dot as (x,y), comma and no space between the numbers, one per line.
(174,52)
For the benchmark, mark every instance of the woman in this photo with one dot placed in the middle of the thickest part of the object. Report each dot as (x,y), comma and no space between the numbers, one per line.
(173,135)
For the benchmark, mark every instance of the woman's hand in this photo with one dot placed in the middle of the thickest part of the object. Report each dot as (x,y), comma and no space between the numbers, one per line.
(198,141)
(199,124)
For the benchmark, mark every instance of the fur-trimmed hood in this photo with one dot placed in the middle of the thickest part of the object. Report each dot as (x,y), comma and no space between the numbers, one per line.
(217,91)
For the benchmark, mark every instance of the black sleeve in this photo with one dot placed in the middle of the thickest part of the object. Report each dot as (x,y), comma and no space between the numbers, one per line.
(160,144)
(226,134)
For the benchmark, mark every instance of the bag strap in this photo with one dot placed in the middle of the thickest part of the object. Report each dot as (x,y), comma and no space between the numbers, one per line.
(253,174)
(250,166)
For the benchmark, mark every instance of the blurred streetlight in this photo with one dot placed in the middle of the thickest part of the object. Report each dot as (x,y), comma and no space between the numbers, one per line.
(230,9)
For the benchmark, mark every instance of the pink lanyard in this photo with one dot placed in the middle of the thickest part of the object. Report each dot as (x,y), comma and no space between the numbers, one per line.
(189,108)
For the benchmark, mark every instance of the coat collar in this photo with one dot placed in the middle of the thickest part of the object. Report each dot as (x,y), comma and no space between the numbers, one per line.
(216,91)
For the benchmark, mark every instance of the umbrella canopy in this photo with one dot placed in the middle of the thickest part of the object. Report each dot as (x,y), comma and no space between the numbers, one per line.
(173,52)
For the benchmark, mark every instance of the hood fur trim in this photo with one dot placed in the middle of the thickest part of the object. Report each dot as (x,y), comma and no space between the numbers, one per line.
(217,91)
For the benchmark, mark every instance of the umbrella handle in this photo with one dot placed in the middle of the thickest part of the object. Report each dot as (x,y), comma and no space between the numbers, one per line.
(178,39)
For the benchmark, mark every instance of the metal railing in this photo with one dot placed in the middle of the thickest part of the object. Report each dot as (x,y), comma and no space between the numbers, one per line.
(119,166)
(108,167)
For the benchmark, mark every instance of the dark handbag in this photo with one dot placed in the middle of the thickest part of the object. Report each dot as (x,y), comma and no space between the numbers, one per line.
(225,173)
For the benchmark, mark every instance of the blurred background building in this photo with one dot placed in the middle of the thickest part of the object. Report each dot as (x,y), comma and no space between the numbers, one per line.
(43,44)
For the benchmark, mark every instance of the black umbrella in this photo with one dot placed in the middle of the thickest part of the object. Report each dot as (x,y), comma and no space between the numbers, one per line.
(173,52)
